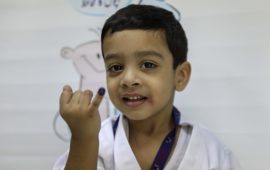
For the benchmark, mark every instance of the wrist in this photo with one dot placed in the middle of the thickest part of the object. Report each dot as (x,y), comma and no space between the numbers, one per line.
(84,139)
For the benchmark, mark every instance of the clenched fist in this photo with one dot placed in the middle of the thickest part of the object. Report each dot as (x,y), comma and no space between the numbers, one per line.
(80,111)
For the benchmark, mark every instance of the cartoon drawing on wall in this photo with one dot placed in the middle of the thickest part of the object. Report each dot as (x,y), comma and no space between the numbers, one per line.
(98,8)
(103,8)
(87,60)
(87,57)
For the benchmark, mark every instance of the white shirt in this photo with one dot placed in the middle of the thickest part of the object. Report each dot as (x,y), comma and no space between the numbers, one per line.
(196,149)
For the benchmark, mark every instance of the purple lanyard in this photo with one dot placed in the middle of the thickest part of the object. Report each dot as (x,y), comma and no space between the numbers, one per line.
(167,144)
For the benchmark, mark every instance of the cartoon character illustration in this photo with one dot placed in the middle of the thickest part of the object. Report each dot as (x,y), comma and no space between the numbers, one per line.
(98,8)
(88,62)
(104,8)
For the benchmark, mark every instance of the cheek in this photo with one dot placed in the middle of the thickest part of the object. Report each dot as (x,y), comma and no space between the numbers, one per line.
(163,86)
(112,86)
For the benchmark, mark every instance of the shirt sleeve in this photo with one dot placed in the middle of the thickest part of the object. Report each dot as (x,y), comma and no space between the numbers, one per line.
(105,155)
(61,161)
(100,164)
(231,162)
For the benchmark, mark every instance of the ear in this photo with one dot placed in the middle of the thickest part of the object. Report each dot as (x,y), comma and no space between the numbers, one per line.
(67,52)
(182,75)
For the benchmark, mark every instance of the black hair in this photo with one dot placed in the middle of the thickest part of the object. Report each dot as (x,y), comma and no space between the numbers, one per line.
(147,17)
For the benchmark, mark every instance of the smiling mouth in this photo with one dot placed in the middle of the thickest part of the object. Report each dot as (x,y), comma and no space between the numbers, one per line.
(134,98)
(134,101)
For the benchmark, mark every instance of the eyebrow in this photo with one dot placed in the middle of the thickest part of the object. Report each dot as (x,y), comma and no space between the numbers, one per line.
(137,54)
(111,56)
(148,53)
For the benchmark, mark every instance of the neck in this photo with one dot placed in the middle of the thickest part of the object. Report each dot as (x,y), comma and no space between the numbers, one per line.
(155,125)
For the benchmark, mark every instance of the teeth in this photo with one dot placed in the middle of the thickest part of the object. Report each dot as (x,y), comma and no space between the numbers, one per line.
(133,97)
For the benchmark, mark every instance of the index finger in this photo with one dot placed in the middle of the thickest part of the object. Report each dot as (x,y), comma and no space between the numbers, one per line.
(98,98)
(66,95)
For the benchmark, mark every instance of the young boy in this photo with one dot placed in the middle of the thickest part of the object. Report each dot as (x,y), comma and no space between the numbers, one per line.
(145,53)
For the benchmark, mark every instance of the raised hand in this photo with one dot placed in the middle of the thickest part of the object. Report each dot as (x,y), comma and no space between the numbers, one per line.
(80,111)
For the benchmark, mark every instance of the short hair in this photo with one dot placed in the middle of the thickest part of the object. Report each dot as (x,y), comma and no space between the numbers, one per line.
(147,17)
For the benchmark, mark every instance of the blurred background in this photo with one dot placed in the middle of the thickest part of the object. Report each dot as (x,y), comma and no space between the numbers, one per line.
(44,44)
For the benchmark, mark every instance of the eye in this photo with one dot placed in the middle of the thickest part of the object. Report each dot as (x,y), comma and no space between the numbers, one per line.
(148,65)
(115,68)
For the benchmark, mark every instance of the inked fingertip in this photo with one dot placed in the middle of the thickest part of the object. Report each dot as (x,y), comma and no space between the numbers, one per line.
(101,91)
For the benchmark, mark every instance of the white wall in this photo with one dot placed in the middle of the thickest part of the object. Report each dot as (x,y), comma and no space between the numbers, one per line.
(230,87)
(228,92)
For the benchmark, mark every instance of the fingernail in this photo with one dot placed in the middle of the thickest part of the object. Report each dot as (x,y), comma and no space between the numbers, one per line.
(101,91)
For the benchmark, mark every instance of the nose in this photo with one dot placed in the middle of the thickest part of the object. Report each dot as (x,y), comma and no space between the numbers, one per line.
(130,79)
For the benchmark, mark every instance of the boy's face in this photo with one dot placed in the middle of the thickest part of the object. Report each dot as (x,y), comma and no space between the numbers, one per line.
(140,76)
